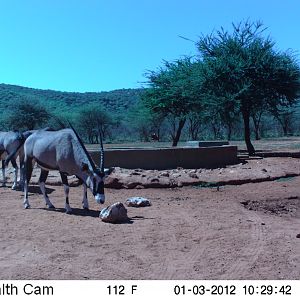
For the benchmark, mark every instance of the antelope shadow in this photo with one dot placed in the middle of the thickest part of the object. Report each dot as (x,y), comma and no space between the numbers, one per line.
(80,212)
(36,190)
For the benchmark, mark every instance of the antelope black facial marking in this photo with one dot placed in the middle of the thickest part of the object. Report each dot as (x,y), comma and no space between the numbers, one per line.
(100,189)
(98,186)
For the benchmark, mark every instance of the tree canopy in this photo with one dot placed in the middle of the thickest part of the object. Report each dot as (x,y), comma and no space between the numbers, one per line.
(237,74)
(91,119)
(174,91)
(244,71)
(26,116)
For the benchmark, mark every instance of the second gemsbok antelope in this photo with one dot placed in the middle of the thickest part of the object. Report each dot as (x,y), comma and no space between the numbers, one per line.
(10,144)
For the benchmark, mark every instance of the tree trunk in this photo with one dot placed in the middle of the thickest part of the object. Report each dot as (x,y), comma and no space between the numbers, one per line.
(256,129)
(285,121)
(229,132)
(256,122)
(215,131)
(247,133)
(178,132)
(194,128)
(285,129)
(90,139)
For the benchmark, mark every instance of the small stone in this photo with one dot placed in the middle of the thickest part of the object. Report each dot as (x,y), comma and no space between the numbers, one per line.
(135,173)
(193,175)
(176,175)
(154,179)
(131,185)
(263,223)
(165,174)
(298,236)
(137,202)
(139,187)
(113,182)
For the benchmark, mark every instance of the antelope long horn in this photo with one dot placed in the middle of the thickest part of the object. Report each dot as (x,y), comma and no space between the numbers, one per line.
(101,151)
(83,147)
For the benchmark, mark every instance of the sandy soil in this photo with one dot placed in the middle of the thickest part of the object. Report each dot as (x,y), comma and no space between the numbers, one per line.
(245,231)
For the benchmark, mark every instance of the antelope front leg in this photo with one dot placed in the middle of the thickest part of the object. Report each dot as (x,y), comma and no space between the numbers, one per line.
(42,180)
(3,174)
(28,172)
(22,178)
(64,180)
(22,174)
(15,185)
(85,202)
(22,169)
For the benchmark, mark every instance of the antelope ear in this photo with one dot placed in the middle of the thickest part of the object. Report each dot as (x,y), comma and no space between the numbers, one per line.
(84,167)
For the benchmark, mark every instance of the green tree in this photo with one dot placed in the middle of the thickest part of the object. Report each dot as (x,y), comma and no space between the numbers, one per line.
(256,115)
(26,115)
(145,122)
(220,112)
(285,116)
(195,124)
(92,118)
(245,68)
(174,92)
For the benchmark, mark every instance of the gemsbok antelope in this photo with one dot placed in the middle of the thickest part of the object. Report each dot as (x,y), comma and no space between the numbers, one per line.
(63,150)
(11,143)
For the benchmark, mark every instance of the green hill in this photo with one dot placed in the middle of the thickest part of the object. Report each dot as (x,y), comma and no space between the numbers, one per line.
(116,101)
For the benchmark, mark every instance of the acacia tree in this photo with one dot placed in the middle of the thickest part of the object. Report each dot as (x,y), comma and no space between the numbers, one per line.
(145,121)
(195,124)
(284,115)
(222,112)
(91,119)
(245,67)
(173,93)
(26,115)
(256,116)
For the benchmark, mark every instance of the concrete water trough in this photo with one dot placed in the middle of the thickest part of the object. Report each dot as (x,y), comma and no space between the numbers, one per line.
(168,158)
(196,144)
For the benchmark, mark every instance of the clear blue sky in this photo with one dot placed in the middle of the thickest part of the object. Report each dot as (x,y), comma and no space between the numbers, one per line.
(98,45)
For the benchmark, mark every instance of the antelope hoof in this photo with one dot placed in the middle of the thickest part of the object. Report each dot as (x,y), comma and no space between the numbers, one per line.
(86,208)
(51,206)
(26,206)
(69,212)
(14,187)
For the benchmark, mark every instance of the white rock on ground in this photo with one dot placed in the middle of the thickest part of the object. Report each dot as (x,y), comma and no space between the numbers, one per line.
(114,213)
(138,202)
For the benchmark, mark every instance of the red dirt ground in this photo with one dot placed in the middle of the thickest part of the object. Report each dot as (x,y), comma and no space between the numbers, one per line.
(246,231)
